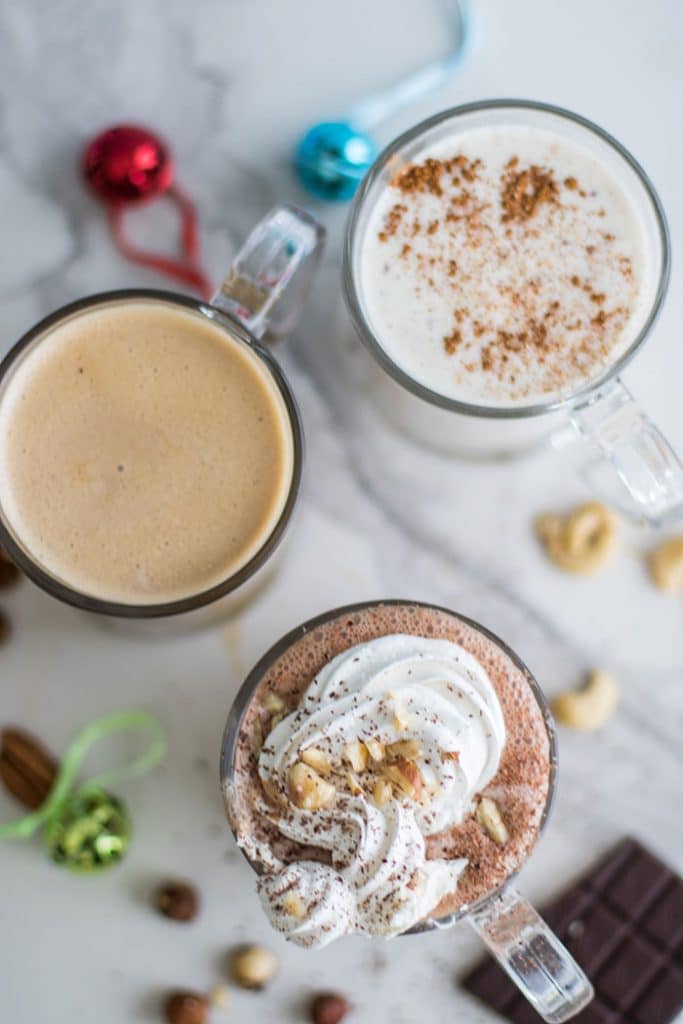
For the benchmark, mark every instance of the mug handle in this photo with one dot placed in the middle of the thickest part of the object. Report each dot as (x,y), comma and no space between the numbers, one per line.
(623,456)
(279,256)
(533,957)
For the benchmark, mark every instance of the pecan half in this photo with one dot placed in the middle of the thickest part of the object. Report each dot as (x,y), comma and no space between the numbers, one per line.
(27,769)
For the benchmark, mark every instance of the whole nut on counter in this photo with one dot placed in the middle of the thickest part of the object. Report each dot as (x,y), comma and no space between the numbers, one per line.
(178,901)
(220,997)
(666,565)
(253,966)
(581,542)
(27,768)
(183,1007)
(329,1008)
(591,707)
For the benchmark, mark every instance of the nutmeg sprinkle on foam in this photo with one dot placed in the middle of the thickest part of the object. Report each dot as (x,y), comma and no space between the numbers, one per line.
(464,229)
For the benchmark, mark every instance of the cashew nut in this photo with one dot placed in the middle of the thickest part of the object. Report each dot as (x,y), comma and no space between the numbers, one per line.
(581,542)
(491,820)
(666,564)
(590,707)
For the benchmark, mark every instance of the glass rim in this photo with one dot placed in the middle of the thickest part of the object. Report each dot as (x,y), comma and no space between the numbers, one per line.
(584,394)
(78,599)
(242,701)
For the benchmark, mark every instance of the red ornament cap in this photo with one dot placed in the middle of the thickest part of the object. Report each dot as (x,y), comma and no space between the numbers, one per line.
(128,164)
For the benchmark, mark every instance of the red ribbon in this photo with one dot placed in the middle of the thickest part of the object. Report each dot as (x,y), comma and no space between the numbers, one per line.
(128,165)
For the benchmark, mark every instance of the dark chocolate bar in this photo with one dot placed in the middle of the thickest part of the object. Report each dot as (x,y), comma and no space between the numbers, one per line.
(623,922)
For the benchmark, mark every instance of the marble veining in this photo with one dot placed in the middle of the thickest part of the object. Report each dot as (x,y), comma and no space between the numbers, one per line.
(232,84)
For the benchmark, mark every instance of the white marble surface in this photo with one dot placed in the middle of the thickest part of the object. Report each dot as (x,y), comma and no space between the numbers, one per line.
(232,83)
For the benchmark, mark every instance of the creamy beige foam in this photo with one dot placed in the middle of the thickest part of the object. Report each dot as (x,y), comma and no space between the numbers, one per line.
(145,453)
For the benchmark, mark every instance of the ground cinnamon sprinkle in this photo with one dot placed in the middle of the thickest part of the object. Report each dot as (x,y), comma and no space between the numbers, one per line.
(452,341)
(524,191)
(462,229)
(392,221)
(424,177)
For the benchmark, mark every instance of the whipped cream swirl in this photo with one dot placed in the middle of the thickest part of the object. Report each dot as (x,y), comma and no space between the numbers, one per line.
(377,879)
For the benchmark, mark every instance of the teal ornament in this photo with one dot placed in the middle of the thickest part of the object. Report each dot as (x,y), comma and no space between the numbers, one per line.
(332,158)
(90,832)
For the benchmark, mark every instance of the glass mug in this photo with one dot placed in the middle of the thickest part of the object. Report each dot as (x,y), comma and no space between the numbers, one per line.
(529,952)
(600,425)
(263,290)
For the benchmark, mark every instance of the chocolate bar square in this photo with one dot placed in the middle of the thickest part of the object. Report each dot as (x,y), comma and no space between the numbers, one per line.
(623,922)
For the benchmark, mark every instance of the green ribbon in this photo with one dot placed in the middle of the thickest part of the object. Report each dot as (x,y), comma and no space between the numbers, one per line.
(64,796)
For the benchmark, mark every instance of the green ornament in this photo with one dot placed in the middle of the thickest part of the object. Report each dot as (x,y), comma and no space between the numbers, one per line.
(90,832)
(87,829)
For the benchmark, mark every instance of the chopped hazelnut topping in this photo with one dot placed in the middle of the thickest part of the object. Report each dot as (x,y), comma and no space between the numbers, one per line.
(376,750)
(316,759)
(273,704)
(356,754)
(401,717)
(404,777)
(382,792)
(294,906)
(409,749)
(308,790)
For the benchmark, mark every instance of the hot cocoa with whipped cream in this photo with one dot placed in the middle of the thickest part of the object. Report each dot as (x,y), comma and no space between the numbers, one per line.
(391,767)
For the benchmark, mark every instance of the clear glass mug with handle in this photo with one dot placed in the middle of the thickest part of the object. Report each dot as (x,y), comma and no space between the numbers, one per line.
(600,426)
(263,292)
(523,944)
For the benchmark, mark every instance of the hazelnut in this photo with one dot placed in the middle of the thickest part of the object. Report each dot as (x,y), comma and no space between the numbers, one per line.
(382,792)
(405,777)
(308,790)
(356,754)
(409,749)
(376,750)
(317,760)
(294,906)
(401,717)
(253,966)
(186,1008)
(177,900)
(273,704)
(353,781)
(329,1008)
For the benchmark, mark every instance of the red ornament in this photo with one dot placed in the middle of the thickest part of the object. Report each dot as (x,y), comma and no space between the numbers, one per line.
(129,165)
